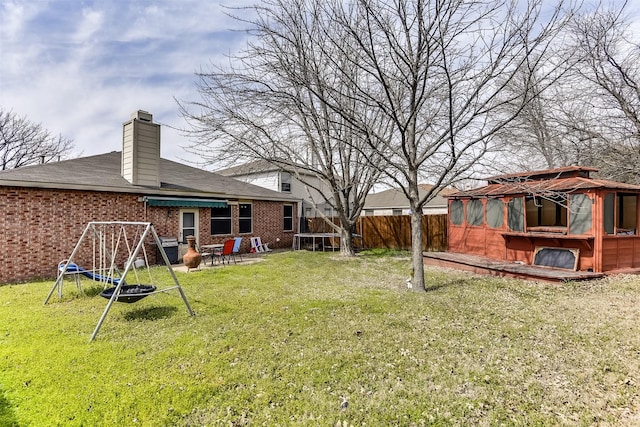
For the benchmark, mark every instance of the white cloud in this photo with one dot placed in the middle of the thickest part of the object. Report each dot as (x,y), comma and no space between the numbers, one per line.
(81,69)
(90,23)
(14,16)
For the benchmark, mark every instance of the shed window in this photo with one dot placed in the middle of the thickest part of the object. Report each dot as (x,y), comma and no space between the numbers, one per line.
(620,214)
(549,211)
(515,214)
(475,214)
(627,213)
(495,213)
(609,213)
(580,206)
(456,212)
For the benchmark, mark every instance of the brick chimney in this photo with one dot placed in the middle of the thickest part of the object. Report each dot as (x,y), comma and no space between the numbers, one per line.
(141,150)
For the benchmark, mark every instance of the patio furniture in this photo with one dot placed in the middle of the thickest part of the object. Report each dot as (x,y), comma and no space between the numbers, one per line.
(226,252)
(204,254)
(211,249)
(258,246)
(236,248)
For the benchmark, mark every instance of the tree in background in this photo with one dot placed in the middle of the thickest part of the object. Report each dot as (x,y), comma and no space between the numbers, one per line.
(290,99)
(23,142)
(537,138)
(589,115)
(610,71)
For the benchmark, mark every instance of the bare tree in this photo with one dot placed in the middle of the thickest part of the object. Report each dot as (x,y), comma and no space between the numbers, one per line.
(610,71)
(589,115)
(23,142)
(543,135)
(438,70)
(278,102)
(417,84)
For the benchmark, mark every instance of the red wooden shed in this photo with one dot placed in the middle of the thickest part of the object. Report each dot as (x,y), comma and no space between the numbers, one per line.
(555,224)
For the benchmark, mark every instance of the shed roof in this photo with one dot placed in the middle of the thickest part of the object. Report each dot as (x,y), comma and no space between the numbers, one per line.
(560,180)
(102,173)
(563,172)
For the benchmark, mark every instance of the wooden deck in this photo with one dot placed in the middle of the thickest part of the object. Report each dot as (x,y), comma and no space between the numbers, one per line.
(492,267)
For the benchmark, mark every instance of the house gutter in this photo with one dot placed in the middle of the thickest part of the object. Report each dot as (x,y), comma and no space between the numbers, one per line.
(145,191)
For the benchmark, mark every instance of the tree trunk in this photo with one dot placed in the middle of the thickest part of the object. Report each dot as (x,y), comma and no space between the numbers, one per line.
(417,280)
(346,242)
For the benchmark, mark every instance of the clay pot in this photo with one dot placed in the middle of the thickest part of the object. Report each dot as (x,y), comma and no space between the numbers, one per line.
(192,258)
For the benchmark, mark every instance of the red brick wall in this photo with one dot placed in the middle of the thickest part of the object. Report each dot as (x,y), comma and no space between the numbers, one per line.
(43,226)
(268,224)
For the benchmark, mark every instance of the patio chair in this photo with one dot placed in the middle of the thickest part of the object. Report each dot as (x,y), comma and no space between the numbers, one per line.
(204,256)
(258,246)
(236,248)
(225,252)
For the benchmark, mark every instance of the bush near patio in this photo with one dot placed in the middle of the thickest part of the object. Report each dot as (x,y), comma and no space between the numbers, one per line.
(314,339)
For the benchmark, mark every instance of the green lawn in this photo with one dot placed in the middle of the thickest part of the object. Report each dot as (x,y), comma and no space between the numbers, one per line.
(312,339)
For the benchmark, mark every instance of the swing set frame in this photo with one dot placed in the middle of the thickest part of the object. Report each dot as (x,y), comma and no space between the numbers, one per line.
(104,260)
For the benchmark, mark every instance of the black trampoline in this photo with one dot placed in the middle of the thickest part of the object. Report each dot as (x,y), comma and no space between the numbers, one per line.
(129,293)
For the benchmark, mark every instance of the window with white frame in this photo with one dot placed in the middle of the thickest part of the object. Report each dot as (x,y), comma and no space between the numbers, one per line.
(285,182)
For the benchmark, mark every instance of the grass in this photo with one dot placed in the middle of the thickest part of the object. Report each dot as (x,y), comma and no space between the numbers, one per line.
(312,339)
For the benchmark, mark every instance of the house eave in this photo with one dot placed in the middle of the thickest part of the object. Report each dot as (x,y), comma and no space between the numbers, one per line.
(144,191)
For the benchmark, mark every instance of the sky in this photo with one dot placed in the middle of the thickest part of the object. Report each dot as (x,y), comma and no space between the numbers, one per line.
(81,68)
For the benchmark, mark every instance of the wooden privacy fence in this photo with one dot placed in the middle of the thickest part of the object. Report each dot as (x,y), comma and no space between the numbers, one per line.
(393,232)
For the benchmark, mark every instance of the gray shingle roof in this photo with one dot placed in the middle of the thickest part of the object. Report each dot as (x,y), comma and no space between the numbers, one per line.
(249,168)
(102,173)
(395,198)
(259,166)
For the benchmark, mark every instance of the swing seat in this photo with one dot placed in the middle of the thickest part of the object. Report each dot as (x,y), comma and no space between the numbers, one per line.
(129,293)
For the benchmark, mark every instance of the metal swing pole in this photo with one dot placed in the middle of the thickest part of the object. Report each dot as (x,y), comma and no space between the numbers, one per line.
(60,279)
(173,274)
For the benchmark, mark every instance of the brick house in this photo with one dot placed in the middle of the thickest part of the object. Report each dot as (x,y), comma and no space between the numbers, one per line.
(46,207)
